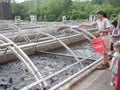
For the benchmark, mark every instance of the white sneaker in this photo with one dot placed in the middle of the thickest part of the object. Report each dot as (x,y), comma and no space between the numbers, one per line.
(112,84)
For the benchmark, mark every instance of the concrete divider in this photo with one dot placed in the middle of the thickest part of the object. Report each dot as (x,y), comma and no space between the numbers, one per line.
(78,78)
(43,47)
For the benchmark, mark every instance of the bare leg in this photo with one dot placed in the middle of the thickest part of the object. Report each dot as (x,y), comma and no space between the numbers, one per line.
(105,58)
(113,78)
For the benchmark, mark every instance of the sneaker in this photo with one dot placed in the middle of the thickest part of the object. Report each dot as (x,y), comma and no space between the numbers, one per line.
(110,55)
(101,66)
(112,84)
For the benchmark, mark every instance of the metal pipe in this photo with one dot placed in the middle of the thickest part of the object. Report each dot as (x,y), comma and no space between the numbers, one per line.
(80,29)
(5,45)
(73,76)
(33,67)
(64,45)
(56,73)
(26,64)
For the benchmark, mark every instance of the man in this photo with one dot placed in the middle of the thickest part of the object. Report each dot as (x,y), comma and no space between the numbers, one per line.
(103,25)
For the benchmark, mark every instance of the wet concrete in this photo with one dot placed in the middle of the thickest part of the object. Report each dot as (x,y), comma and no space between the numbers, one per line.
(98,80)
(14,75)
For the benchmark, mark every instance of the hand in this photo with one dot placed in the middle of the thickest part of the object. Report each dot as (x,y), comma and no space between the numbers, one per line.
(80,25)
(118,33)
(62,27)
(98,32)
(113,34)
(72,27)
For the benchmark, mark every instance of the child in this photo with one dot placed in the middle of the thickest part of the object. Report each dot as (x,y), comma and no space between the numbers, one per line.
(118,77)
(115,37)
(114,64)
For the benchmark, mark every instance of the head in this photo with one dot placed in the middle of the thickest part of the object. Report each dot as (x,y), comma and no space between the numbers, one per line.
(117,46)
(114,23)
(101,14)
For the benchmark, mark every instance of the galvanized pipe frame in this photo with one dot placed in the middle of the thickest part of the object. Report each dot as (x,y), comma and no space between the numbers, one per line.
(75,75)
(65,46)
(27,39)
(59,54)
(76,58)
(22,56)
(54,37)
(44,42)
(27,87)
(14,27)
(56,73)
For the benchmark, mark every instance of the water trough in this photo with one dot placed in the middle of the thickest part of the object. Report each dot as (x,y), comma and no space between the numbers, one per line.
(37,42)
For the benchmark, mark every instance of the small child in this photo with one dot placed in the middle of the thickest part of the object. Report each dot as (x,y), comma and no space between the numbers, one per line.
(114,63)
(115,37)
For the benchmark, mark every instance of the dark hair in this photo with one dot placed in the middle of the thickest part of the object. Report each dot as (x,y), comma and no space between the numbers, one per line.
(114,16)
(102,12)
(115,23)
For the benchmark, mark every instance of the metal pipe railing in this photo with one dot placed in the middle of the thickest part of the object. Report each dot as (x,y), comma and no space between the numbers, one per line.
(56,73)
(22,56)
(73,76)
(64,45)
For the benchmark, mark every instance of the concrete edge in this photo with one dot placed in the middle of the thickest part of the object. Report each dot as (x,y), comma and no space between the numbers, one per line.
(80,77)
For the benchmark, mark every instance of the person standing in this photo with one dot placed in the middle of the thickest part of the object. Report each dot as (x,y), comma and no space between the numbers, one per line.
(103,25)
(64,19)
(114,63)
(115,36)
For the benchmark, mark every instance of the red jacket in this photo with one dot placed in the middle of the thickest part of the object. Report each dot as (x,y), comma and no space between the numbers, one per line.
(118,79)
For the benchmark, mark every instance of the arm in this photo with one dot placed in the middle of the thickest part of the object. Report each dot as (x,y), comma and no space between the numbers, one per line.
(113,62)
(115,35)
(105,30)
(87,24)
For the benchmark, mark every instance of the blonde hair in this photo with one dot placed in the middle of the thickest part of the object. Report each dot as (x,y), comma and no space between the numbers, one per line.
(117,46)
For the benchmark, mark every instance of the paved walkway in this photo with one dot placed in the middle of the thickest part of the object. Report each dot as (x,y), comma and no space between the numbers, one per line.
(98,80)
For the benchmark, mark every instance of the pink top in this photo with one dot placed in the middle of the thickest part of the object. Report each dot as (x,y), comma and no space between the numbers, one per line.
(118,79)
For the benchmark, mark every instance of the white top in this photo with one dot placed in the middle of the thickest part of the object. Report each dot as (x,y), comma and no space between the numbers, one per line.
(102,25)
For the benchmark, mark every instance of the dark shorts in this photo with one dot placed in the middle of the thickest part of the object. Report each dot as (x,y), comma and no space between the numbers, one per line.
(111,46)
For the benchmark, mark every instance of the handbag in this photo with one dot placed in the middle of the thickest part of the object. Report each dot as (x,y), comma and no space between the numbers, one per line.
(97,44)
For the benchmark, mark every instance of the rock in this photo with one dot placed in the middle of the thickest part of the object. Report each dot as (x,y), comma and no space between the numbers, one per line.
(37,89)
(10,80)
(22,78)
(50,66)
(4,85)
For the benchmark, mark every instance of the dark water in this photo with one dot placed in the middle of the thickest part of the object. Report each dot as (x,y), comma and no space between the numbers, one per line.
(14,75)
(81,49)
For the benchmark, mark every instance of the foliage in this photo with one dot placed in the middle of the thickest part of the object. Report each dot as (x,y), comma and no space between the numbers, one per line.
(53,10)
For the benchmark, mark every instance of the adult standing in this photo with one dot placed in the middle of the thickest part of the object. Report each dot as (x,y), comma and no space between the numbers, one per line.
(104,26)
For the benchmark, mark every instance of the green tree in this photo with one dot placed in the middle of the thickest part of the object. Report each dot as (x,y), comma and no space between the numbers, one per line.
(19,10)
(114,3)
(99,2)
